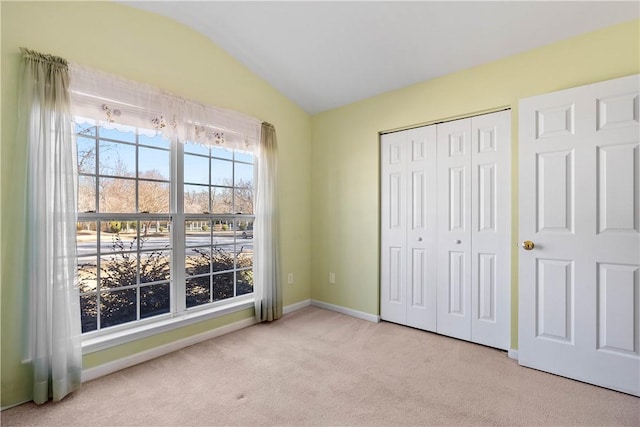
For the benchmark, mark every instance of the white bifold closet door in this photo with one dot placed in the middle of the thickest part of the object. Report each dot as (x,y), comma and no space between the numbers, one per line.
(409,227)
(445,227)
(474,228)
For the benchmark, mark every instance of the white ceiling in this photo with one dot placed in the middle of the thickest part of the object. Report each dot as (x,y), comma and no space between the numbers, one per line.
(323,55)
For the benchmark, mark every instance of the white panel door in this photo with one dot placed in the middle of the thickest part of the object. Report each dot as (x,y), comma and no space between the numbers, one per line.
(421,228)
(579,298)
(408,216)
(393,218)
(454,229)
(491,229)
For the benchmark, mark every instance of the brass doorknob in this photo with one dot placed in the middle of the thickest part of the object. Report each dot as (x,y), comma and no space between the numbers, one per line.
(528,245)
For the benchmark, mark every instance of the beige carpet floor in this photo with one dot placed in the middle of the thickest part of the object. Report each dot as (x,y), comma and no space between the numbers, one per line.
(316,367)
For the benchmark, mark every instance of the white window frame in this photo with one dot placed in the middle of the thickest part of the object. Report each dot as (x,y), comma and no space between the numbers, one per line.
(179,315)
(181,217)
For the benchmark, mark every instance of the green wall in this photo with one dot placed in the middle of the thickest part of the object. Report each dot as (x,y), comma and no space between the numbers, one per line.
(149,48)
(345,150)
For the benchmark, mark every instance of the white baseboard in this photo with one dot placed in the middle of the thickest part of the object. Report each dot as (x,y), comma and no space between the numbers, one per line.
(134,359)
(513,354)
(297,306)
(344,310)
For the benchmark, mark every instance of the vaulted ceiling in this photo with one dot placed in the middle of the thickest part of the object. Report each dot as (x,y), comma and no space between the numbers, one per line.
(325,54)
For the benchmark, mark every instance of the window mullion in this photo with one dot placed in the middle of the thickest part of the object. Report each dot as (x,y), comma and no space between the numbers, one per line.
(98,275)
(178,287)
(96,171)
(178,273)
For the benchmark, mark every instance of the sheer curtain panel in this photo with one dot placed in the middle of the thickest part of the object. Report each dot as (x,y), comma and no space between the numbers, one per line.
(268,289)
(45,127)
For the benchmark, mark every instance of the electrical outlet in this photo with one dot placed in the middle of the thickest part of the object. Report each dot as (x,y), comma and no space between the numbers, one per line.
(332,278)
(290,279)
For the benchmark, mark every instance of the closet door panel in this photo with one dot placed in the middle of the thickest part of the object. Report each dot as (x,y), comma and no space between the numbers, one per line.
(421,228)
(491,229)
(454,229)
(393,217)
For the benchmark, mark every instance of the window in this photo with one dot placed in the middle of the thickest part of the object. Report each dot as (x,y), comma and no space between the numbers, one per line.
(218,206)
(163,227)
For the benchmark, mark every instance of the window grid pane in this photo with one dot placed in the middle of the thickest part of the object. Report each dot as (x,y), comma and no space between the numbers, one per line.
(124,270)
(111,279)
(125,252)
(223,254)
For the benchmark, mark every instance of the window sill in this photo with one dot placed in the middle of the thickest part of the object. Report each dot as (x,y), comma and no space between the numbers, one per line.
(102,342)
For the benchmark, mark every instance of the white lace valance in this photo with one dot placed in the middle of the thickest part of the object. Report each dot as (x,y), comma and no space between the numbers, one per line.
(122,104)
